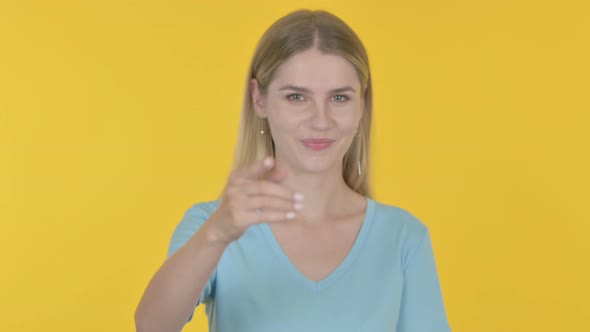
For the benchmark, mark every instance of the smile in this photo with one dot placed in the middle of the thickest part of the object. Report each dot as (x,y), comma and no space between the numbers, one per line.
(317,145)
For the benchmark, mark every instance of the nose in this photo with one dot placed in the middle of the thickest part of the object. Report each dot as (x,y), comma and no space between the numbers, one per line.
(321,116)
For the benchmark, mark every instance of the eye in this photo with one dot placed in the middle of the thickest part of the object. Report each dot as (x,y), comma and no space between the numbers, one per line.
(295,97)
(341,98)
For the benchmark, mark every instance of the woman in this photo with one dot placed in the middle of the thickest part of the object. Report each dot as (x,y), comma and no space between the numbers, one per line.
(295,242)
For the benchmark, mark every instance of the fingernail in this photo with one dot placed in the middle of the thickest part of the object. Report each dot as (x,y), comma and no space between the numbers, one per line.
(298,196)
(298,206)
(267,162)
(290,215)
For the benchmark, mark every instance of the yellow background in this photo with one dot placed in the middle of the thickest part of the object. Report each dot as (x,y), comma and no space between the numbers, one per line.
(117,116)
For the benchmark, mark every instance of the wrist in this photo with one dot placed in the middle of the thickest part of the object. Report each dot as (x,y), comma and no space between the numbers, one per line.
(214,236)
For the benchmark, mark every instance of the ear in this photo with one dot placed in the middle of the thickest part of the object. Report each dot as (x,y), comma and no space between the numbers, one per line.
(257,98)
(363,110)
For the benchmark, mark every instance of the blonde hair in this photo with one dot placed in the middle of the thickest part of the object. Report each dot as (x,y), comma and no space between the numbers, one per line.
(299,31)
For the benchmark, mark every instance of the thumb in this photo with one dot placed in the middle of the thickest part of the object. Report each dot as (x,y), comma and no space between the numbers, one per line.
(258,169)
(277,174)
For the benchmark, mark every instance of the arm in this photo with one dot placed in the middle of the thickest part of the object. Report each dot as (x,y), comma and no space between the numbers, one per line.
(422,306)
(185,277)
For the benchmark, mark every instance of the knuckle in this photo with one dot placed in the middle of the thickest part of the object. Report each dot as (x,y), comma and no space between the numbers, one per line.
(232,191)
(267,186)
(267,201)
(235,216)
(232,177)
(242,221)
(260,201)
(259,186)
(236,176)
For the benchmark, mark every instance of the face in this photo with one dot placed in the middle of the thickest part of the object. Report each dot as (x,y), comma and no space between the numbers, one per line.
(312,96)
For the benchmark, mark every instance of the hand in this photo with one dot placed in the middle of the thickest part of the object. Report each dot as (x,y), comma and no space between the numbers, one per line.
(253,188)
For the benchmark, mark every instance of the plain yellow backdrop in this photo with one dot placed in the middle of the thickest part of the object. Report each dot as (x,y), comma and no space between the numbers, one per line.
(117,116)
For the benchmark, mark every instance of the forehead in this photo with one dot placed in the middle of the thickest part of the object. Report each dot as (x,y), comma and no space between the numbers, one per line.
(315,70)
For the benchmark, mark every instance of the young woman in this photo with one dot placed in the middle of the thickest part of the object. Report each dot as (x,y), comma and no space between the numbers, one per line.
(295,242)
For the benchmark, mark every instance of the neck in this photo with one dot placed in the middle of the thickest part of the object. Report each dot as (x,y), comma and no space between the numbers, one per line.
(326,192)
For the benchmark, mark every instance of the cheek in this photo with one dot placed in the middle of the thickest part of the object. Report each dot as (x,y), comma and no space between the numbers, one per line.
(281,124)
(285,116)
(349,120)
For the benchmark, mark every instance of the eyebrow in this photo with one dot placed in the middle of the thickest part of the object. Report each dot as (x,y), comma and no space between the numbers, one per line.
(305,90)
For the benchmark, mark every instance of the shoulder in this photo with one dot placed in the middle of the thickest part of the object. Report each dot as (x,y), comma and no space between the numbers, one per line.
(194,217)
(402,219)
(400,226)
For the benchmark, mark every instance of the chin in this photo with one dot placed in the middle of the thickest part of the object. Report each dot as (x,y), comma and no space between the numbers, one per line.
(318,164)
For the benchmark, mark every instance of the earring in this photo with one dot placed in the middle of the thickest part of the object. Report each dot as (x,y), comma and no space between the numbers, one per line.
(262,131)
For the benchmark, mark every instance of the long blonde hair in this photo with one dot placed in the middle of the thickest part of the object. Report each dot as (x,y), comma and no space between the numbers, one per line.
(296,32)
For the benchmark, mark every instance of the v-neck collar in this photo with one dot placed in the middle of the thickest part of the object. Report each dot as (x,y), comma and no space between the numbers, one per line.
(344,265)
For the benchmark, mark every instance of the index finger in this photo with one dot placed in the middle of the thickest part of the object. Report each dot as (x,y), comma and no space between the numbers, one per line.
(258,169)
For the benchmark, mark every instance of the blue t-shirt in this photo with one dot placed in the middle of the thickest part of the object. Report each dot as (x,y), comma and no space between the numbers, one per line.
(388,281)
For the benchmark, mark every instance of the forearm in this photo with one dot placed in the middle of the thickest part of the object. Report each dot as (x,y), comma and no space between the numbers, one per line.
(173,291)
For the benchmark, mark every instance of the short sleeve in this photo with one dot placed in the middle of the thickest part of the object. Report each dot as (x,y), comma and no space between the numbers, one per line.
(190,223)
(422,306)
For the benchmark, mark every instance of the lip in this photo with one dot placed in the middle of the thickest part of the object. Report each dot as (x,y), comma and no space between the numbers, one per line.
(317,144)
